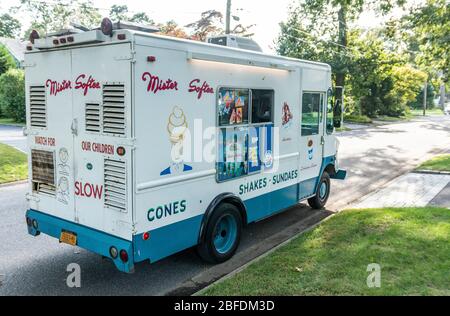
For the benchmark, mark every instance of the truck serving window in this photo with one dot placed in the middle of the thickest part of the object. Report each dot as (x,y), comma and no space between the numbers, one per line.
(239,142)
(262,106)
(311,116)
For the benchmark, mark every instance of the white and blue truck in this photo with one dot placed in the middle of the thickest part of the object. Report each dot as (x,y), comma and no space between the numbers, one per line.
(141,145)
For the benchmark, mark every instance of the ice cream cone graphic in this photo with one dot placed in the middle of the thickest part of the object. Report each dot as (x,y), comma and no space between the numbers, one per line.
(177,127)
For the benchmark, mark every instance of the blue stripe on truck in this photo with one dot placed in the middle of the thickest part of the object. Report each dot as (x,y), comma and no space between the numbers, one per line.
(87,238)
(167,240)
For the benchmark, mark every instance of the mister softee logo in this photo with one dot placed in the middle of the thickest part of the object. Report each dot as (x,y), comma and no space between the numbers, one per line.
(82,82)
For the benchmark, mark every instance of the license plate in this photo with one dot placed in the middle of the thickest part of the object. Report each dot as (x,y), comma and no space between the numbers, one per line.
(68,238)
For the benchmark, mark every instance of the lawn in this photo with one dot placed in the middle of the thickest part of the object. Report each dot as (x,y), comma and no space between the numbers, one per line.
(13,164)
(419,112)
(411,245)
(8,121)
(358,119)
(438,163)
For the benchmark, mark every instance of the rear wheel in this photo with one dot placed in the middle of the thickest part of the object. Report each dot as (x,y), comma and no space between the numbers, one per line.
(222,235)
(323,192)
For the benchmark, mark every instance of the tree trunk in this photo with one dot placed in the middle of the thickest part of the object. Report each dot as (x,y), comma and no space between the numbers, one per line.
(342,48)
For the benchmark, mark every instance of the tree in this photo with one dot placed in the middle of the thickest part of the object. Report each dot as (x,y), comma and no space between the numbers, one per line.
(48,17)
(120,13)
(9,26)
(6,60)
(327,21)
(171,28)
(210,23)
(12,94)
(430,26)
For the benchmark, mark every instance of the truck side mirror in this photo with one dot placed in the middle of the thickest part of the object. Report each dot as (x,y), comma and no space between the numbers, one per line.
(337,112)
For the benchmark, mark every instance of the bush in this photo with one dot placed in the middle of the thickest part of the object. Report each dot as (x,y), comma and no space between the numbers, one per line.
(12,94)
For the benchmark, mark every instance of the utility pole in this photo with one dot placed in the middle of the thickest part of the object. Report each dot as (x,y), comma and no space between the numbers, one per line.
(425,97)
(228,16)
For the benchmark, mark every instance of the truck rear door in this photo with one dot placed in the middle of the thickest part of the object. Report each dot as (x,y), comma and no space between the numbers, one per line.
(49,119)
(102,141)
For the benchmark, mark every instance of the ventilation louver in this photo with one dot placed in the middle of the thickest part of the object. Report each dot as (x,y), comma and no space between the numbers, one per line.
(38,109)
(115,185)
(43,171)
(92,117)
(114,109)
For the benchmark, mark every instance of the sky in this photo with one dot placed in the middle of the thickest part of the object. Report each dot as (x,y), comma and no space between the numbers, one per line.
(265,14)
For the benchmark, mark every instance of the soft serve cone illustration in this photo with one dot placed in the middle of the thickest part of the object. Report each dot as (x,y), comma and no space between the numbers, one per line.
(177,128)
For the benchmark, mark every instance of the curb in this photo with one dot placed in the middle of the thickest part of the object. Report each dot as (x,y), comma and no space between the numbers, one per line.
(11,184)
(431,172)
(234,272)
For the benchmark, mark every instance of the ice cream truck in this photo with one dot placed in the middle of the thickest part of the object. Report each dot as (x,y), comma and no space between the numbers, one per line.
(141,145)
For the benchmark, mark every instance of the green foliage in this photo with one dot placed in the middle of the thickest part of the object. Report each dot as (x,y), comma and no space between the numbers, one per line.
(430,26)
(12,94)
(9,26)
(53,16)
(418,102)
(408,83)
(120,13)
(6,60)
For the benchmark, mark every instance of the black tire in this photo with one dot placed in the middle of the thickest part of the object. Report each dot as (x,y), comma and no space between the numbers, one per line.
(319,200)
(207,249)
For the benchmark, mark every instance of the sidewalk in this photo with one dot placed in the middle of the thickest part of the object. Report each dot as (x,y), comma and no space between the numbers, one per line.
(412,189)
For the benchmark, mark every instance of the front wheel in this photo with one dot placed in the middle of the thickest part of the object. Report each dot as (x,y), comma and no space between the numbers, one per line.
(222,235)
(323,192)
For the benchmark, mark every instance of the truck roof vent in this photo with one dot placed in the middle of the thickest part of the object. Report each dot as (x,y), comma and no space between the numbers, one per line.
(115,185)
(38,108)
(114,109)
(92,116)
(235,41)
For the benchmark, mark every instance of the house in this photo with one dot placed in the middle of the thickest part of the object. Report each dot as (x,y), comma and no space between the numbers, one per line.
(16,48)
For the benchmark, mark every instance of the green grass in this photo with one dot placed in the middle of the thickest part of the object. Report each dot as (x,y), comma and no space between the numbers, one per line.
(385,118)
(439,163)
(435,111)
(359,119)
(412,246)
(343,129)
(9,121)
(13,164)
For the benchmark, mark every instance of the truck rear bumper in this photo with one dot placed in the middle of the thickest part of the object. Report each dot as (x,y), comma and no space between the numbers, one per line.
(87,238)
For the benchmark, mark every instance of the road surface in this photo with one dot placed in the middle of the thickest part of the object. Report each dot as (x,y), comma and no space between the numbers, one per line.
(37,266)
(13,136)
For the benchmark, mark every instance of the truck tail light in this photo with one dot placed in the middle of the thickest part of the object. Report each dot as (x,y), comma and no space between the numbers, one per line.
(121,37)
(151,59)
(146,235)
(123,256)
(113,252)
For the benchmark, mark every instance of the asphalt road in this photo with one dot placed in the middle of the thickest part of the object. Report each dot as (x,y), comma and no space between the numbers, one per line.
(13,136)
(37,266)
